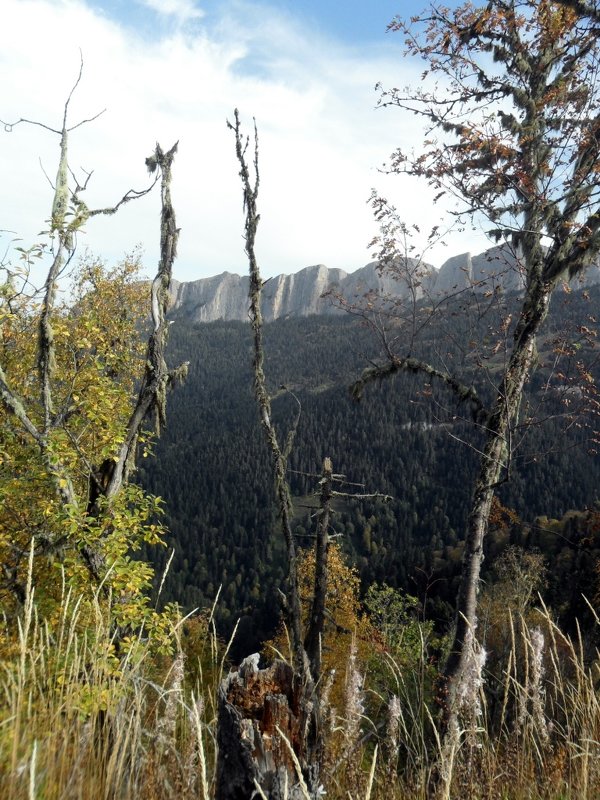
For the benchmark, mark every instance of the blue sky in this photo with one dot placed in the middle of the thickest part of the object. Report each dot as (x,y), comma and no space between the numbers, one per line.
(172,70)
(353,21)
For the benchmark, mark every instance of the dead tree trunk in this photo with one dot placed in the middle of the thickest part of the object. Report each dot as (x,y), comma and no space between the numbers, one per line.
(259,732)
(252,704)
(279,455)
(301,677)
(315,745)
(316,625)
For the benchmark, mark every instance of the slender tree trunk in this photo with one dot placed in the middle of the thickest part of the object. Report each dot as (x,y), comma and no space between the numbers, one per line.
(303,687)
(312,643)
(493,459)
(315,745)
(459,677)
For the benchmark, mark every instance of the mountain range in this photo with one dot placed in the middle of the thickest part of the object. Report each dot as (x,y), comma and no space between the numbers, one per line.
(314,289)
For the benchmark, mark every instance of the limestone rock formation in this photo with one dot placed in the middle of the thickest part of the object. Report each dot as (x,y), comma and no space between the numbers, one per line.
(313,289)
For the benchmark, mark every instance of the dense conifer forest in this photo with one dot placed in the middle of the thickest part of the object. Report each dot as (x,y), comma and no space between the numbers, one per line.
(404,439)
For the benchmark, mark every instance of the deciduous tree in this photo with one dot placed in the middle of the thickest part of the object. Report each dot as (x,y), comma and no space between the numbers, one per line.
(78,393)
(511,99)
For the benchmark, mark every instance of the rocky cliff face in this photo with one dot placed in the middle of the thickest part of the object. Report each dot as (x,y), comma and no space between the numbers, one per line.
(226,296)
(306,292)
(496,266)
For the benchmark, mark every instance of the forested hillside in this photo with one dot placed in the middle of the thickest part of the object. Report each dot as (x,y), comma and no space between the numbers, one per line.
(405,439)
(398,505)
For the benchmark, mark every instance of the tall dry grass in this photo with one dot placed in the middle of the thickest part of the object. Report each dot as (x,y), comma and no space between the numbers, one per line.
(536,738)
(82,718)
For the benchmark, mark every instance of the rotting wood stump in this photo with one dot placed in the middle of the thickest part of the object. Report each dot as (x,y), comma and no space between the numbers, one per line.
(253,705)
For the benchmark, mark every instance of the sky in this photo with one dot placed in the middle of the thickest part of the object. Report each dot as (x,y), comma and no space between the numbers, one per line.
(175,70)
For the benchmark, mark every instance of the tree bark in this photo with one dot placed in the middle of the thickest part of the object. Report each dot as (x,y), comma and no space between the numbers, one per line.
(534,311)
(257,709)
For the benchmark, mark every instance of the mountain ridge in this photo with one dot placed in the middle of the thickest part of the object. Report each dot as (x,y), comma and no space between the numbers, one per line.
(312,289)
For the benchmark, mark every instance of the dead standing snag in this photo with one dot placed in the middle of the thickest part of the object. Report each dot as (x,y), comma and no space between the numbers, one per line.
(303,682)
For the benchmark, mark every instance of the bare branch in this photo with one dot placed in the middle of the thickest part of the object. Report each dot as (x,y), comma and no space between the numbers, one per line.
(85,121)
(364,496)
(132,194)
(465,394)
(14,406)
(75,85)
(8,126)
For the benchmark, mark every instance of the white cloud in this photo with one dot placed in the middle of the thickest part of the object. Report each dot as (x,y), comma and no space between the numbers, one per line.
(321,140)
(181,9)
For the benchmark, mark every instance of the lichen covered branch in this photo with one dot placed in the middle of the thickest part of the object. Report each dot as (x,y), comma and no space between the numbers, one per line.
(464,393)
(157,377)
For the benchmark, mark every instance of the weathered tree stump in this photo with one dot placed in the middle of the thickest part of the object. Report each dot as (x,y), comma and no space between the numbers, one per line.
(254,705)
